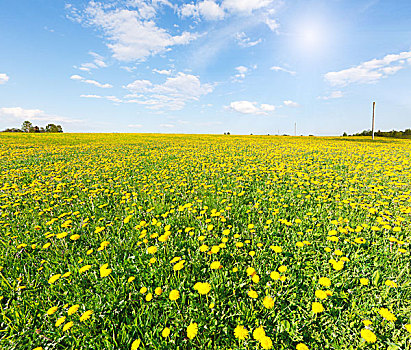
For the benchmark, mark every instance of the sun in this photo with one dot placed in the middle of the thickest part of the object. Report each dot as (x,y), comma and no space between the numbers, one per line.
(311,37)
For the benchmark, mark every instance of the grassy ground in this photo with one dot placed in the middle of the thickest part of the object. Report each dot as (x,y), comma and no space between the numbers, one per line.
(307,238)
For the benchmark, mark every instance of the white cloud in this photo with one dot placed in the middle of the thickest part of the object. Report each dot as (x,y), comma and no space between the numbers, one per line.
(334,94)
(91,96)
(21,114)
(207,9)
(247,107)
(371,71)
(92,82)
(4,78)
(211,10)
(163,71)
(246,6)
(76,77)
(109,98)
(290,103)
(98,62)
(168,126)
(281,69)
(131,34)
(135,126)
(267,108)
(242,71)
(245,41)
(172,94)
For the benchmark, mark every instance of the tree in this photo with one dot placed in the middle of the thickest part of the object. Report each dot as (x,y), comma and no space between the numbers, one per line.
(54,128)
(345,134)
(25,127)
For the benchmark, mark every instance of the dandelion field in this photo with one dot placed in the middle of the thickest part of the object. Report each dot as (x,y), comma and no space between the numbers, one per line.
(122,241)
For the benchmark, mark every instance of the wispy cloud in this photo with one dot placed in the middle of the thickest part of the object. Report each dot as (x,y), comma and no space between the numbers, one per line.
(282,69)
(332,95)
(244,41)
(98,62)
(370,71)
(21,114)
(92,82)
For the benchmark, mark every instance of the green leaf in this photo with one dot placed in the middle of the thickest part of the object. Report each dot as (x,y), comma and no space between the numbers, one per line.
(376,277)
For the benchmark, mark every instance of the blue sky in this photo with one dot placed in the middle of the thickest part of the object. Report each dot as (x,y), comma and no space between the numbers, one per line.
(208,66)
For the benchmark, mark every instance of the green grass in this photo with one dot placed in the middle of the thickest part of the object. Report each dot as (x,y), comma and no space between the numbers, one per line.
(291,189)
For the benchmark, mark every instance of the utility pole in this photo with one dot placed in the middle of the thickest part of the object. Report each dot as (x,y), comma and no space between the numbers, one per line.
(373,119)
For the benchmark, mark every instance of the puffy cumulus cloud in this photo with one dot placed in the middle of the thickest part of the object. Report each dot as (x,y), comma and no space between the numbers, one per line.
(131,31)
(208,9)
(244,41)
(211,10)
(290,103)
(4,78)
(371,71)
(20,114)
(247,107)
(173,94)
(92,82)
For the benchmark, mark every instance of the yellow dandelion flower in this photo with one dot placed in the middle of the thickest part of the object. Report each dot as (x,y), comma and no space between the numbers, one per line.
(282,269)
(364,281)
(317,307)
(152,250)
(274,275)
(104,271)
(86,315)
(320,294)
(165,333)
(174,294)
(52,310)
(136,343)
(215,265)
(368,336)
(241,333)
(252,294)
(192,330)
(324,281)
(84,268)
(266,343)
(67,326)
(72,310)
(259,333)
(302,346)
(54,278)
(60,321)
(268,302)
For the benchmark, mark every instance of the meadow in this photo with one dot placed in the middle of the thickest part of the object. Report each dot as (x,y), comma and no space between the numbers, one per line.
(126,241)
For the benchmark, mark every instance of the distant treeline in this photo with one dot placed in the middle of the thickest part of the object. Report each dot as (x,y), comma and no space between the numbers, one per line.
(406,134)
(29,127)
